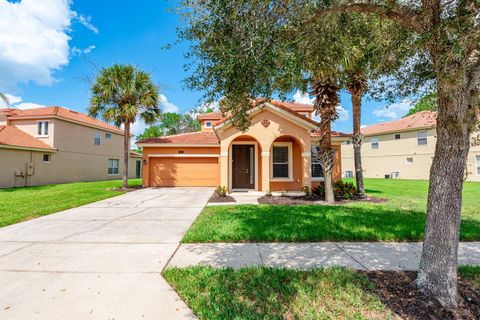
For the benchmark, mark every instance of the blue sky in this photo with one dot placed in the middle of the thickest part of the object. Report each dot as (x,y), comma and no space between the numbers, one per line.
(56,44)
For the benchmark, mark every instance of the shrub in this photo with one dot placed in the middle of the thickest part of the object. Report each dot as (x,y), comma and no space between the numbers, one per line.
(307,191)
(221,191)
(341,189)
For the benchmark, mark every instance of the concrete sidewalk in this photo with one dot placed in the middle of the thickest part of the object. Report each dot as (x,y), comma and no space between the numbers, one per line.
(99,261)
(366,256)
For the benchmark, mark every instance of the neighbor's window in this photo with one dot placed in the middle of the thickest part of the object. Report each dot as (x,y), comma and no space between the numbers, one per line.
(374,141)
(317,170)
(208,124)
(422,138)
(42,128)
(96,138)
(409,160)
(47,158)
(478,165)
(397,136)
(113,166)
(280,162)
(108,136)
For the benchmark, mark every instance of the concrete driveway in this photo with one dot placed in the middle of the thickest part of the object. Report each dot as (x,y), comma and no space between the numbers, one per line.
(99,261)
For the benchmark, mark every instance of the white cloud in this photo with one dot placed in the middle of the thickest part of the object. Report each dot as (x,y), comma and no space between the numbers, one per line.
(395,110)
(78,52)
(166,105)
(86,21)
(342,114)
(302,97)
(17,102)
(34,40)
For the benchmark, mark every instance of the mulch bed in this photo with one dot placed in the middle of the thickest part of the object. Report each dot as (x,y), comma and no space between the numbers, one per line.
(396,290)
(303,200)
(217,198)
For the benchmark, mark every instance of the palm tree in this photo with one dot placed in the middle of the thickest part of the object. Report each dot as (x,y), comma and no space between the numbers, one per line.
(4,98)
(121,94)
(326,102)
(356,86)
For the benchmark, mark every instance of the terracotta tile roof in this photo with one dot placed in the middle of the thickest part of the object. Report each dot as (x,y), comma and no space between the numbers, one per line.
(62,113)
(298,107)
(204,137)
(423,119)
(14,137)
(135,154)
(335,134)
(215,115)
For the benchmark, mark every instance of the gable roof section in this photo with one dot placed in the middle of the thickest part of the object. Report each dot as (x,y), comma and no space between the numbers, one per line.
(11,137)
(191,138)
(423,119)
(61,113)
(215,115)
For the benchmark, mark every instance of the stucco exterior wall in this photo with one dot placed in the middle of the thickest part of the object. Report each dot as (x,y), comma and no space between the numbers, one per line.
(391,156)
(77,158)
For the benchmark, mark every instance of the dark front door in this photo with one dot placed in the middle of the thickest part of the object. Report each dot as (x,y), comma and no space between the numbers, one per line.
(138,168)
(243,167)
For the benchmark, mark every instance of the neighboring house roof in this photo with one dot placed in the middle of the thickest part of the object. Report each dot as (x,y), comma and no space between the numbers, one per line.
(197,138)
(335,134)
(15,138)
(423,119)
(61,113)
(134,154)
(215,115)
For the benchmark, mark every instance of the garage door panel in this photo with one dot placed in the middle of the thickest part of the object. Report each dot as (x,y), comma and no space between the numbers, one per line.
(184,172)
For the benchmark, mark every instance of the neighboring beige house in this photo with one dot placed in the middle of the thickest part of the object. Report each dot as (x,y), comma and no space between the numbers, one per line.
(58,145)
(276,153)
(402,149)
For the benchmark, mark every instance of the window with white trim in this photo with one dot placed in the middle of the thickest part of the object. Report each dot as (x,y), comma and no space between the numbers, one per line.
(42,128)
(96,138)
(374,142)
(108,136)
(47,158)
(317,170)
(478,165)
(281,161)
(208,124)
(422,138)
(113,166)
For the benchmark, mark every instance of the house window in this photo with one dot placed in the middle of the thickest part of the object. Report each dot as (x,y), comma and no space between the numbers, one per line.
(409,160)
(113,166)
(42,128)
(397,136)
(96,138)
(208,124)
(317,170)
(422,138)
(47,158)
(478,165)
(282,161)
(108,136)
(374,141)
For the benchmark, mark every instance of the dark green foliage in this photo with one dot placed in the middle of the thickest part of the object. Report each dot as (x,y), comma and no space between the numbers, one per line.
(341,189)
(171,123)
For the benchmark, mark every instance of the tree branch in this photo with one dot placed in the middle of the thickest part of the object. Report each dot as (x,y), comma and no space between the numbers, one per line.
(407,17)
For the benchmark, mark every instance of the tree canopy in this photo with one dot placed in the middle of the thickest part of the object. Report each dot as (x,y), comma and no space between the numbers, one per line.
(426,103)
(171,123)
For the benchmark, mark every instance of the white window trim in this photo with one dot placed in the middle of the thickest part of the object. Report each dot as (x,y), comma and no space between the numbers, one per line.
(99,138)
(49,156)
(290,162)
(108,167)
(377,143)
(43,129)
(477,164)
(410,163)
(206,126)
(311,172)
(426,138)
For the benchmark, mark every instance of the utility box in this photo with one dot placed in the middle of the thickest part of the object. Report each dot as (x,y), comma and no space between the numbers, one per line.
(29,169)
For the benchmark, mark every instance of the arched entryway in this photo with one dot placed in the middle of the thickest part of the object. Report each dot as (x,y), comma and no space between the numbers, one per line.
(286,164)
(244,164)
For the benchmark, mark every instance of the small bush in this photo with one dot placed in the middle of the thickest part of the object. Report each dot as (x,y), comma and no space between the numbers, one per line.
(341,189)
(307,191)
(221,191)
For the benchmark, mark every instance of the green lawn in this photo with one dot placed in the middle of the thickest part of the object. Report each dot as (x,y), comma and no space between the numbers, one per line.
(267,293)
(402,218)
(19,204)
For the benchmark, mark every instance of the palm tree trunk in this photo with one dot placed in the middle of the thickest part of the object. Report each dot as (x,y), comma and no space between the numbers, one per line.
(327,157)
(357,140)
(126,154)
(437,276)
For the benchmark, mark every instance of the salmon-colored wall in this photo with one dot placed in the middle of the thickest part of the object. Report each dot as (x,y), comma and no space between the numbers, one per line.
(172,150)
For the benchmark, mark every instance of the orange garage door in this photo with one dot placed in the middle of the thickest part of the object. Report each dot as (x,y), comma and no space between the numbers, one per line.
(184,172)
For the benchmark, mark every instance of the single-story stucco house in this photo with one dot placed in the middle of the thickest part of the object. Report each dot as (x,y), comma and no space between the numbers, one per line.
(274,154)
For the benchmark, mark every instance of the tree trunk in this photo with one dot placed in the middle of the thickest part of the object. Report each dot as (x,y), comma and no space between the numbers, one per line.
(357,141)
(126,154)
(437,276)
(327,157)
